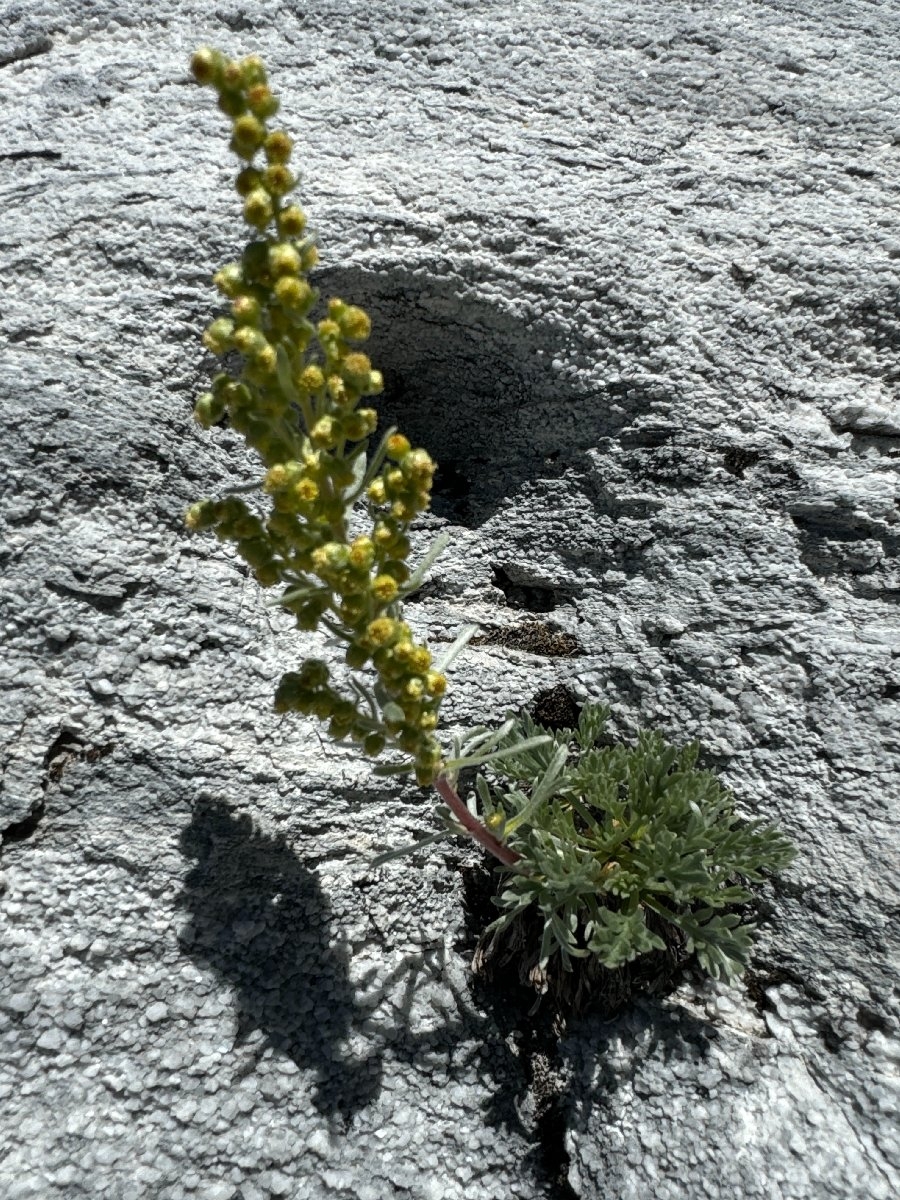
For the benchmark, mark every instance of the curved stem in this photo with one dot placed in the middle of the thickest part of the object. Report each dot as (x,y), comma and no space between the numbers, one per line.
(484,837)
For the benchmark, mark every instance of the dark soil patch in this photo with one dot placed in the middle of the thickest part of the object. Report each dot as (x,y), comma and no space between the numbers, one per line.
(534,637)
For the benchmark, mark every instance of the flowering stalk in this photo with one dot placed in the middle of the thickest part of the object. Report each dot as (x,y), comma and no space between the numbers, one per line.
(473,826)
(296,400)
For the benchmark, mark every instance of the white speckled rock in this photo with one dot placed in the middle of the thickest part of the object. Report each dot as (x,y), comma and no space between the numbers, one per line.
(633,271)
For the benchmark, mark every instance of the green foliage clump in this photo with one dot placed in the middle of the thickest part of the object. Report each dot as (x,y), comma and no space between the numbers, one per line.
(609,833)
(296,399)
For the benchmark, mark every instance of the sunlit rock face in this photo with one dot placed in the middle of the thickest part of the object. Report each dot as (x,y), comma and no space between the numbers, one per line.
(632,271)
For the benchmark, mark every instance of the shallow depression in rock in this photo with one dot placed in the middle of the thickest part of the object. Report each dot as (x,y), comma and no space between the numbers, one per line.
(482,388)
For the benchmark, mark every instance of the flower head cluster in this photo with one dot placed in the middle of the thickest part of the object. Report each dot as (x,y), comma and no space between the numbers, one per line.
(297,401)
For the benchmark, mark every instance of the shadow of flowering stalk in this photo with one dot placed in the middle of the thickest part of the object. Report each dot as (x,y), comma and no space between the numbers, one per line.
(602,848)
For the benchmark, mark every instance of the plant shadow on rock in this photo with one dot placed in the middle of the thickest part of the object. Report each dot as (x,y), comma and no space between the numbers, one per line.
(659,1043)
(260,920)
(473,383)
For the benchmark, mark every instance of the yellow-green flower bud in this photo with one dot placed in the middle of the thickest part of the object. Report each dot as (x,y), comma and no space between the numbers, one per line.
(354,427)
(306,490)
(201,515)
(376,492)
(428,721)
(397,446)
(258,208)
(328,330)
(414,689)
(436,683)
(295,294)
(284,259)
(337,389)
(403,652)
(231,76)
(356,368)
(374,384)
(266,360)
(218,337)
(291,221)
(278,179)
(384,589)
(253,71)
(276,477)
(248,340)
(206,65)
(331,558)
(229,280)
(362,553)
(237,395)
(420,660)
(312,378)
(323,434)
(246,310)
(278,146)
(355,323)
(247,180)
(383,534)
(249,134)
(418,466)
(360,424)
(209,410)
(261,101)
(382,631)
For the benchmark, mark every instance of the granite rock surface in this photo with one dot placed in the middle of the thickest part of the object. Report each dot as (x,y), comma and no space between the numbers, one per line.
(634,273)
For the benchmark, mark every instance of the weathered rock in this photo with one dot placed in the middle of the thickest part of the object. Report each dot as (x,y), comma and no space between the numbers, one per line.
(633,272)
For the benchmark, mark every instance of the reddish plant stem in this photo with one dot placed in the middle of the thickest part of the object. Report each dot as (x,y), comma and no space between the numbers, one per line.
(483,836)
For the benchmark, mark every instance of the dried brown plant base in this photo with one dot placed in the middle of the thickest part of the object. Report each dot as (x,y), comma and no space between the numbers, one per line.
(508,963)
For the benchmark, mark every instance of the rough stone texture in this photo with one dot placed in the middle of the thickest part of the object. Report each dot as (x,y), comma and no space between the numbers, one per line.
(634,276)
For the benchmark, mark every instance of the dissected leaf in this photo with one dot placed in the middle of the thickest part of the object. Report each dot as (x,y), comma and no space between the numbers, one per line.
(606,832)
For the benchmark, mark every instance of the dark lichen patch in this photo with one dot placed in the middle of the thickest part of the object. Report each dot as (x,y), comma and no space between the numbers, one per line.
(534,637)
(737,459)
(556,708)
